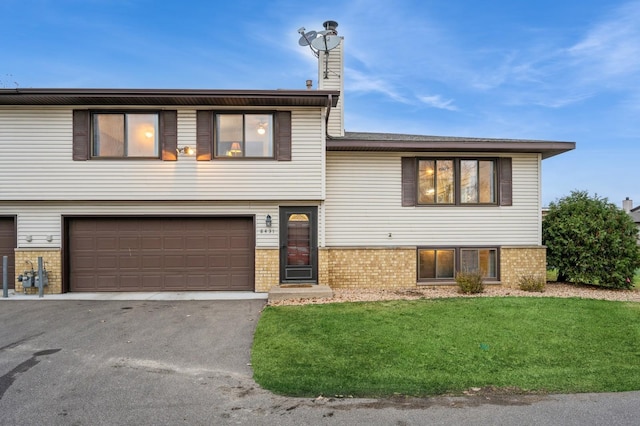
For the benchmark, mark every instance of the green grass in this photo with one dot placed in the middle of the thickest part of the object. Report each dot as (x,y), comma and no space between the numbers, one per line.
(446,346)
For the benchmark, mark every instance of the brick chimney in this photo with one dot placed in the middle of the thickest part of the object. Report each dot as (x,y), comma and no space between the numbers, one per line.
(627,205)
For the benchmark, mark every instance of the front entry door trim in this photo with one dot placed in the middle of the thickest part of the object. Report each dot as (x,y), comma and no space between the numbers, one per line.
(299,245)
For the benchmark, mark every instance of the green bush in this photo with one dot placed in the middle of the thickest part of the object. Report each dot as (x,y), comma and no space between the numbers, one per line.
(590,240)
(532,283)
(470,282)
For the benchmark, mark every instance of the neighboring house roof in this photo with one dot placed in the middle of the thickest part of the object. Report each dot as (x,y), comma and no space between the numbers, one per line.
(635,215)
(359,141)
(172,97)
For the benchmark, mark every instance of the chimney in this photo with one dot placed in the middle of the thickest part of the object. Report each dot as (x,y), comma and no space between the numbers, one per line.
(627,205)
(330,77)
(309,84)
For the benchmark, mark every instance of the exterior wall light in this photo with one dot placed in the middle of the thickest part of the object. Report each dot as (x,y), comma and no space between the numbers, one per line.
(268,221)
(186,150)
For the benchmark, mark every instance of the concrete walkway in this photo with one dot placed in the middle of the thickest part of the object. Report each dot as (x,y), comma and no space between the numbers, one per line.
(163,295)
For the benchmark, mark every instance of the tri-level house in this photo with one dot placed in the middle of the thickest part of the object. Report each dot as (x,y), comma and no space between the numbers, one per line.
(245,190)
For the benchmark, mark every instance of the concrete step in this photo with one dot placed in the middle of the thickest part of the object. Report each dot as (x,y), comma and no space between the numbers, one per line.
(299,291)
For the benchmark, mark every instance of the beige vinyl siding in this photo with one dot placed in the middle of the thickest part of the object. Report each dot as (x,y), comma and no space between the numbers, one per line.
(363,207)
(36,148)
(41,219)
(334,81)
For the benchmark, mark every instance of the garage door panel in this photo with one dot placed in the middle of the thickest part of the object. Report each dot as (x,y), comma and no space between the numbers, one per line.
(85,243)
(85,263)
(107,282)
(155,254)
(127,242)
(129,282)
(129,262)
(174,243)
(195,243)
(106,243)
(174,261)
(196,262)
(107,262)
(238,261)
(218,242)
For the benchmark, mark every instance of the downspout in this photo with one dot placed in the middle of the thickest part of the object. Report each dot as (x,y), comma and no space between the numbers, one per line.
(326,119)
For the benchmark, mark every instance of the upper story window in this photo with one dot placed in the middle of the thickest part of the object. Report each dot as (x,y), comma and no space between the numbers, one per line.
(244,135)
(477,181)
(125,135)
(436,182)
(224,135)
(456,181)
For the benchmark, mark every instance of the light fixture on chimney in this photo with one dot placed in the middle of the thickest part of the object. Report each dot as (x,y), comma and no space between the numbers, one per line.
(186,150)
(267,221)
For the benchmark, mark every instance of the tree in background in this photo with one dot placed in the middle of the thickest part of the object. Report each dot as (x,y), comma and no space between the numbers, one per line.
(590,240)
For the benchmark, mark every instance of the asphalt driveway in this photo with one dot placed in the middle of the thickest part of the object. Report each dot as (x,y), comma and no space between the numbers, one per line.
(78,362)
(123,362)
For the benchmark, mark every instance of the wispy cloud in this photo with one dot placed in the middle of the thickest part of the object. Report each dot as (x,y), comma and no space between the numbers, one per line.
(436,101)
(612,48)
(359,81)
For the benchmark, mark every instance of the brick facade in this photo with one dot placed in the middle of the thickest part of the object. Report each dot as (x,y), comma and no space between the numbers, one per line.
(391,267)
(337,267)
(371,267)
(267,269)
(52,259)
(516,262)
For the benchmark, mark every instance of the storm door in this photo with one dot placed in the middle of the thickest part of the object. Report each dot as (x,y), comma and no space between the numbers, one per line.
(299,244)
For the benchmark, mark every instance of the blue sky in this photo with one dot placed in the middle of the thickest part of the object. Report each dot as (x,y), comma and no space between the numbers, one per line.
(551,70)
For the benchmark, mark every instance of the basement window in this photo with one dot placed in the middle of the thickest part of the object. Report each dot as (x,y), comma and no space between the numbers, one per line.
(441,264)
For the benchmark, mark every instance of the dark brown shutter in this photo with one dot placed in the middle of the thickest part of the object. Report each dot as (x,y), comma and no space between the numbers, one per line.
(409,181)
(81,135)
(169,135)
(506,192)
(283,136)
(204,135)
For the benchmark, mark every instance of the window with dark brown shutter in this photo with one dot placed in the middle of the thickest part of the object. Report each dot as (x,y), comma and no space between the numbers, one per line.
(506,185)
(125,134)
(169,135)
(409,176)
(283,136)
(81,135)
(204,135)
(243,135)
(456,181)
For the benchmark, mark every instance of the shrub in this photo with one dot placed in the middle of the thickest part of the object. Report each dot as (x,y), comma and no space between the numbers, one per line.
(532,283)
(470,282)
(590,240)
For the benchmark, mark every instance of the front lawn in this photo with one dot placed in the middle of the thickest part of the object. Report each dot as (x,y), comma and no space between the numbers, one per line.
(446,346)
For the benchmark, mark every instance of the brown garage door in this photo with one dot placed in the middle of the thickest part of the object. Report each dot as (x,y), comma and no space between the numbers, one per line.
(160,254)
(7,246)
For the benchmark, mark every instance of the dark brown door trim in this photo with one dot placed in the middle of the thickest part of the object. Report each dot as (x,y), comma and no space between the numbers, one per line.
(299,245)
